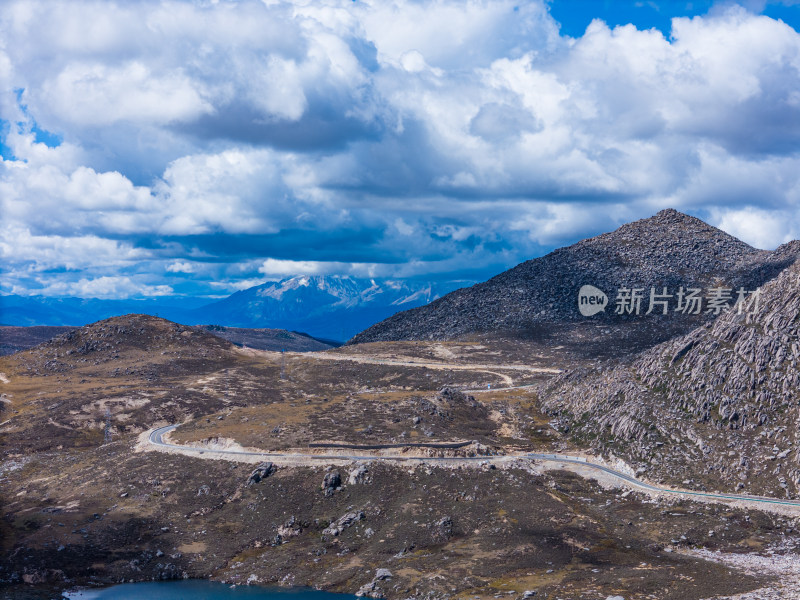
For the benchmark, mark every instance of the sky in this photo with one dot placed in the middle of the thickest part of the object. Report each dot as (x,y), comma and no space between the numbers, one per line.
(158,148)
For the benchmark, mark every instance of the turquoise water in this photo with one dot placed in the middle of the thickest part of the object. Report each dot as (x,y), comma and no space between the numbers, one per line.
(199,590)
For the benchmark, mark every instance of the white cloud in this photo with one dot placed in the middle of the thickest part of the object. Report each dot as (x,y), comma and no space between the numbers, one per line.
(758,227)
(105,287)
(180,267)
(22,250)
(278,89)
(274,268)
(98,95)
(281,268)
(238,285)
(389,138)
(450,34)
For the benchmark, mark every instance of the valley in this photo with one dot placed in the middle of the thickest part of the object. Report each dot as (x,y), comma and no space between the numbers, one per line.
(77,510)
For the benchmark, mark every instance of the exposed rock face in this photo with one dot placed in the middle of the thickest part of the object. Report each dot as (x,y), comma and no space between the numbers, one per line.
(720,403)
(670,249)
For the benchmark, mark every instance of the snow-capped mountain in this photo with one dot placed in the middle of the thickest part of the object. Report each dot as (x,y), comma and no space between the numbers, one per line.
(334,307)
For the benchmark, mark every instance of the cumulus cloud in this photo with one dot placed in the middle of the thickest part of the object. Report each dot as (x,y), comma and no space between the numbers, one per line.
(105,287)
(181,267)
(274,268)
(237,285)
(758,227)
(23,250)
(226,142)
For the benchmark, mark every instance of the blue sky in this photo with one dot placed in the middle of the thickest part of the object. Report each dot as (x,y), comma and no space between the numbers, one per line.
(575,15)
(162,148)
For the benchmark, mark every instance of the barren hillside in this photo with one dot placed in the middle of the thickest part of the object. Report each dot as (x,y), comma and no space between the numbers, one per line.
(717,407)
(538,299)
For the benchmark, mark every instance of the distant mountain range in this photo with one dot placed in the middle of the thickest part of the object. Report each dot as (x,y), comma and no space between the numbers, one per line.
(330,307)
(44,310)
(537,299)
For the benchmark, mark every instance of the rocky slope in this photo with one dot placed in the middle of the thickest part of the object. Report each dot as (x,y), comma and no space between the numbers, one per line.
(123,338)
(16,339)
(132,367)
(538,298)
(717,407)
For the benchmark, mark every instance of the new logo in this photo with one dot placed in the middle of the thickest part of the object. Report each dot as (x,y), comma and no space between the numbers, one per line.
(591,300)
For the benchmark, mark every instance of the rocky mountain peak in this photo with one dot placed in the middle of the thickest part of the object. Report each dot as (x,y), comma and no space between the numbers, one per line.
(672,240)
(538,299)
(670,218)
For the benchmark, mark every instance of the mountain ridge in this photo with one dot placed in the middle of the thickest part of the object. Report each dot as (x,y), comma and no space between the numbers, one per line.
(332,307)
(538,298)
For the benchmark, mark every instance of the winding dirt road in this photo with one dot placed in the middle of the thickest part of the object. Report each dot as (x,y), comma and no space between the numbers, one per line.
(154,438)
(441,366)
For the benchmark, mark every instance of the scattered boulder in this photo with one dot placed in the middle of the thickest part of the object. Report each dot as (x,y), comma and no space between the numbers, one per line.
(262,471)
(343,523)
(331,482)
(359,475)
(442,530)
(371,589)
(289,529)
